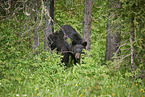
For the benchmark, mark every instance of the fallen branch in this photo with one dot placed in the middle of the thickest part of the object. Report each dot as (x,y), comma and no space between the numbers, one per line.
(121,60)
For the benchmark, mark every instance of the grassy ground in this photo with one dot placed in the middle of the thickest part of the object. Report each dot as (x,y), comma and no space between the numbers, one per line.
(22,74)
(45,76)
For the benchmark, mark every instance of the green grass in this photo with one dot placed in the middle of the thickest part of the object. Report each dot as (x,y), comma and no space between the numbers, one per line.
(43,75)
(23,74)
(47,77)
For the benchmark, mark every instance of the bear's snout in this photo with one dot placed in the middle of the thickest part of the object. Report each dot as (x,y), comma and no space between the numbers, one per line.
(77,56)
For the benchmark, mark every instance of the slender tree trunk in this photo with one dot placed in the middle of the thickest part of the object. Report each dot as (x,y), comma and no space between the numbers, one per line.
(52,14)
(131,41)
(110,42)
(87,22)
(48,27)
(35,34)
(113,32)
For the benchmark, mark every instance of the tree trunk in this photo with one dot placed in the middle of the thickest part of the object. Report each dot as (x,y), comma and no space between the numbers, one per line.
(48,27)
(131,41)
(52,14)
(113,32)
(87,23)
(36,36)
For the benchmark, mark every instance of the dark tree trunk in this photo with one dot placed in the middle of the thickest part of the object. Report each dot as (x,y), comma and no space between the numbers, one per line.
(87,22)
(52,14)
(48,22)
(113,32)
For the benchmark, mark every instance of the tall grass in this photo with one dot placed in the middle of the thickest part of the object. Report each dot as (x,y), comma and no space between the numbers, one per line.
(44,75)
(23,74)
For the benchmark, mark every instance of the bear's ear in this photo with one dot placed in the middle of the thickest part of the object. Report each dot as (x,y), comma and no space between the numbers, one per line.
(84,44)
(74,42)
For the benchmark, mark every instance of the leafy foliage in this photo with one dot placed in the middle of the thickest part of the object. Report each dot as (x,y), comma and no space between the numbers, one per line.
(128,10)
(27,70)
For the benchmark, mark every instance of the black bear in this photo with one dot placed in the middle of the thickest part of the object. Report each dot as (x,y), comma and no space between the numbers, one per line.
(58,40)
(77,42)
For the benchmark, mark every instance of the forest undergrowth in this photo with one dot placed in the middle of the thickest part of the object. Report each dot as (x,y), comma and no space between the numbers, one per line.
(26,70)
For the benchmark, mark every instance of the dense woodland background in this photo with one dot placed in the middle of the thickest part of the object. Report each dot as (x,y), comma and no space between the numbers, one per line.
(113,64)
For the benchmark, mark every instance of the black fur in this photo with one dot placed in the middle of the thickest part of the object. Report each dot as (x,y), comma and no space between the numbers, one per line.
(77,42)
(58,40)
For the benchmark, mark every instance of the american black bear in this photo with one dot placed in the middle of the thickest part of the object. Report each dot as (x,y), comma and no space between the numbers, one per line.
(58,40)
(77,42)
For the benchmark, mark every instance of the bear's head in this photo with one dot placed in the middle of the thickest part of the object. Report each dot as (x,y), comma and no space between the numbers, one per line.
(77,49)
